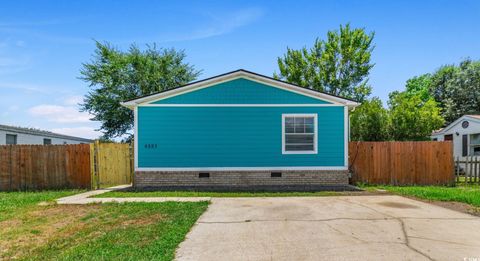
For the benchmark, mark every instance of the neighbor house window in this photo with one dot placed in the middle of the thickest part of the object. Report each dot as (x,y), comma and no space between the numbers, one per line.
(11,139)
(47,141)
(299,133)
(475,144)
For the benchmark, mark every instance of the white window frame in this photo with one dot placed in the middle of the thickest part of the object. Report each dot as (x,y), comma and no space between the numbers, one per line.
(315,133)
(471,146)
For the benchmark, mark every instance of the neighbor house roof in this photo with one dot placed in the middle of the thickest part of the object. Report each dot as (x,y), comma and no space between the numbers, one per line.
(237,74)
(44,133)
(473,117)
(476,116)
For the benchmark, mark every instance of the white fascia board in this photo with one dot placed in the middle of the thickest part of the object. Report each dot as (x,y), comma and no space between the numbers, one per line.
(451,125)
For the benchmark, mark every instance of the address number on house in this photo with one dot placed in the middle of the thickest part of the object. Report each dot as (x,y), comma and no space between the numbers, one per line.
(150,146)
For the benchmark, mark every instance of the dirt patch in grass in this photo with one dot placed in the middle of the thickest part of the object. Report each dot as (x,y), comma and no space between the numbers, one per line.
(37,227)
(396,205)
(453,205)
(144,221)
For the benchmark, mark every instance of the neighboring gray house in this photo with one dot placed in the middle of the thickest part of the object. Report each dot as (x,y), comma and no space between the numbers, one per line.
(465,135)
(10,135)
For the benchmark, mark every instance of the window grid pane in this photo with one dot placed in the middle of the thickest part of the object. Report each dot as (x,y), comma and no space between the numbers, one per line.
(299,133)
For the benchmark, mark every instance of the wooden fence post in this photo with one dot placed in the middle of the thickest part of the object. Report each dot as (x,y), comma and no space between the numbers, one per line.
(95,180)
(458,169)
(10,168)
(475,171)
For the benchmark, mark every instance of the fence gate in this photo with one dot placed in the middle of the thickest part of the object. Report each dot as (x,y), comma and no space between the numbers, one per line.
(112,164)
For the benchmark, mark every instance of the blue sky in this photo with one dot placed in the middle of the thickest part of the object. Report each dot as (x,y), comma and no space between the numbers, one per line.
(44,43)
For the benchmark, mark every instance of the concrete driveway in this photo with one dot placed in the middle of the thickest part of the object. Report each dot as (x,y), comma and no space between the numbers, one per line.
(331,228)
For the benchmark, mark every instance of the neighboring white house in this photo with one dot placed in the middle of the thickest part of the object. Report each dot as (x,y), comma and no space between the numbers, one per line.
(10,135)
(465,135)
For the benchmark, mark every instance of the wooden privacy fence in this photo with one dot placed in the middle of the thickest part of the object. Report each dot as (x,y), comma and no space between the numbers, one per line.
(37,167)
(402,163)
(467,170)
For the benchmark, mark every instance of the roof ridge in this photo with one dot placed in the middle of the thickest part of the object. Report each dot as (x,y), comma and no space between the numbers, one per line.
(35,131)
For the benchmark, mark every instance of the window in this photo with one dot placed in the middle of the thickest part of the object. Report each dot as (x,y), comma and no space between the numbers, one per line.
(11,139)
(475,144)
(299,133)
(464,145)
(47,141)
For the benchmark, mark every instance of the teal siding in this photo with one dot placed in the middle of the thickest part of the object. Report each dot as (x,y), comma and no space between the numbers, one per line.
(241,91)
(232,137)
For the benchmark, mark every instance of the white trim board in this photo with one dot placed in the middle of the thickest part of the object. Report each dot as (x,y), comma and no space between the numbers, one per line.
(240,105)
(457,121)
(236,75)
(244,168)
(346,134)
(135,136)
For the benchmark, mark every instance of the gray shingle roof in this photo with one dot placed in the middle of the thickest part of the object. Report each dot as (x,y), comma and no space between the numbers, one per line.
(38,132)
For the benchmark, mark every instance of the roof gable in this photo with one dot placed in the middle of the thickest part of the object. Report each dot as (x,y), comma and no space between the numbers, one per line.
(308,95)
(472,118)
(240,91)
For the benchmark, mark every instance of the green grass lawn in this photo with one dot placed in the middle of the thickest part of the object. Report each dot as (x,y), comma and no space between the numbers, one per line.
(464,194)
(128,231)
(12,203)
(129,194)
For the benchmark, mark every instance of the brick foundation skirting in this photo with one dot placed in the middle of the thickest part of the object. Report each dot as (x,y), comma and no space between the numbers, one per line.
(242,180)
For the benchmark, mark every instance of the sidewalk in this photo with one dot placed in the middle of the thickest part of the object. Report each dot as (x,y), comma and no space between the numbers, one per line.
(84,198)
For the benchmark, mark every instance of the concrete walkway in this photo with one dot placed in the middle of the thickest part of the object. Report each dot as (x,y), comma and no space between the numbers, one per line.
(331,228)
(83,198)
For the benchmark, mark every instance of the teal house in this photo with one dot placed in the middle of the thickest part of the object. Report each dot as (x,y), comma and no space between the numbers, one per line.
(241,130)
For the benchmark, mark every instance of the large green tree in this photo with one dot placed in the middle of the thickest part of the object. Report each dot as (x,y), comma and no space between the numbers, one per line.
(455,88)
(370,121)
(438,86)
(462,91)
(339,65)
(412,118)
(419,86)
(115,76)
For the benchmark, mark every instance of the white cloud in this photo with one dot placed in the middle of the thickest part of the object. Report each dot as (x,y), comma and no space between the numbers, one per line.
(12,59)
(227,23)
(61,114)
(218,24)
(83,132)
(21,86)
(73,100)
(20,43)
(14,64)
